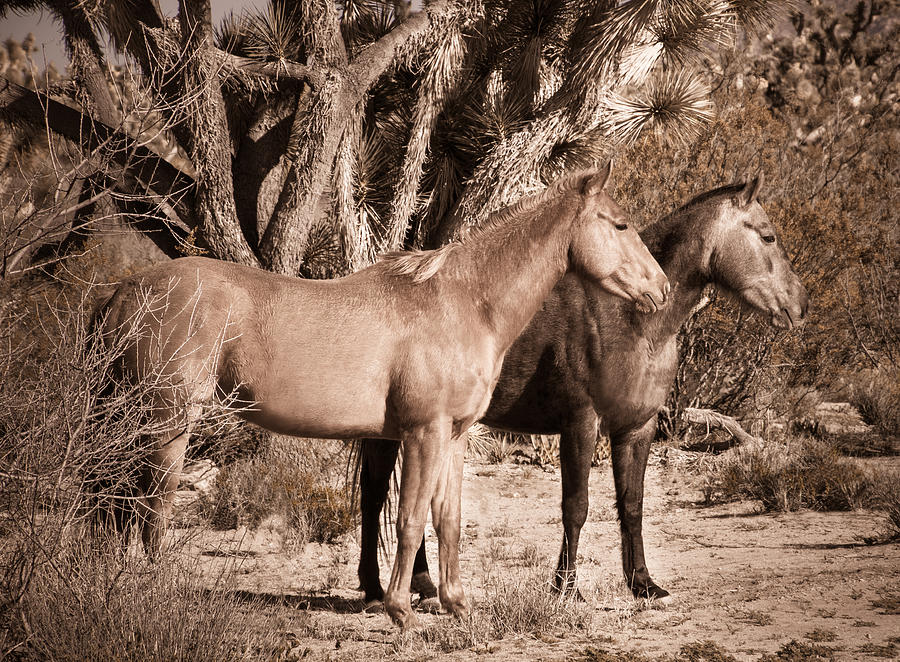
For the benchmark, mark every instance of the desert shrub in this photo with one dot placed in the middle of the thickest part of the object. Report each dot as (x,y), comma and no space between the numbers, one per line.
(252,490)
(876,393)
(72,440)
(97,607)
(792,474)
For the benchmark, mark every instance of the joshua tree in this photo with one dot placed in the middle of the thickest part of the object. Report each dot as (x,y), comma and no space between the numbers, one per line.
(363,124)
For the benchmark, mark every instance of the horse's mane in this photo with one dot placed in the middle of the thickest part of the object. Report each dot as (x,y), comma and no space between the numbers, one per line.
(422,265)
(668,230)
(727,190)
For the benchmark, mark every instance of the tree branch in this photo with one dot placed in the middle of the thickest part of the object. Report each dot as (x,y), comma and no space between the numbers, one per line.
(87,61)
(712,419)
(20,105)
(369,65)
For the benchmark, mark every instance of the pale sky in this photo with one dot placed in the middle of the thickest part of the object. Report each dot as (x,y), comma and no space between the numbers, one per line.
(49,37)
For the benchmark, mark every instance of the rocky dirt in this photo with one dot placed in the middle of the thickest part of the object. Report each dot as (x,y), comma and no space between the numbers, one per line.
(749,582)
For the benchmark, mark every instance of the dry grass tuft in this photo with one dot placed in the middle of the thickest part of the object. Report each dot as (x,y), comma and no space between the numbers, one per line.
(252,490)
(514,602)
(796,651)
(792,474)
(96,607)
(704,651)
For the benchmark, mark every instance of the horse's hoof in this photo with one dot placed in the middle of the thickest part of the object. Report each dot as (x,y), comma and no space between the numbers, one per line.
(429,605)
(407,622)
(652,592)
(457,608)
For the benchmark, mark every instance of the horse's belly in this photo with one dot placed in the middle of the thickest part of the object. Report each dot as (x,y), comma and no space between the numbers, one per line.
(316,412)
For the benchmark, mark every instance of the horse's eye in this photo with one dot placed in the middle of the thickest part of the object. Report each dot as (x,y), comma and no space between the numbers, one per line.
(621,226)
(769,238)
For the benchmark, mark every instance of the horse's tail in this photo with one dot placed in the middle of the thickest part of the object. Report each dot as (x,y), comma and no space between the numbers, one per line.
(109,503)
(355,467)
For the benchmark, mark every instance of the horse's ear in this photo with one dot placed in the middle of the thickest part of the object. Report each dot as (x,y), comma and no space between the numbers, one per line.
(597,182)
(751,190)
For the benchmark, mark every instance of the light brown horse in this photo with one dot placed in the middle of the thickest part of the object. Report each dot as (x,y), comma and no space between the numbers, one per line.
(407,349)
(586,354)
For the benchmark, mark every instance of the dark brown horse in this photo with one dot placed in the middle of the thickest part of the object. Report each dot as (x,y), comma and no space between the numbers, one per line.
(407,349)
(586,354)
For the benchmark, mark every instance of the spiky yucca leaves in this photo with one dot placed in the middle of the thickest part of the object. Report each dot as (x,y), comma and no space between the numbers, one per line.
(365,21)
(629,68)
(274,33)
(440,72)
(675,106)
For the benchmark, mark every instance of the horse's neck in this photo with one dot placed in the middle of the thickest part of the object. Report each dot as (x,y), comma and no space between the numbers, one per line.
(680,253)
(516,265)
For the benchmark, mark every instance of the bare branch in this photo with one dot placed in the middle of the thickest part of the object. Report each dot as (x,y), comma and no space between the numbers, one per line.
(712,419)
(20,105)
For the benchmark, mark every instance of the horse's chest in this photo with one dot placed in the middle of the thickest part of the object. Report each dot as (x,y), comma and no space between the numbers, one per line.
(631,384)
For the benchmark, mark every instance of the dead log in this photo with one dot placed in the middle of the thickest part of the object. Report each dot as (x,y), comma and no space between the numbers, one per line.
(712,419)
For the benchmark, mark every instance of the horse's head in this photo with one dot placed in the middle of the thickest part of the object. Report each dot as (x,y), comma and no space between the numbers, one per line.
(606,248)
(748,259)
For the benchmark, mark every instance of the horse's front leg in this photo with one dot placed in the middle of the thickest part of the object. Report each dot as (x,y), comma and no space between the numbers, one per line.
(629,459)
(445,509)
(576,449)
(425,450)
(377,460)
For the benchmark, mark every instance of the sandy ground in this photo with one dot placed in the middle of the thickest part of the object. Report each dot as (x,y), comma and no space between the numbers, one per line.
(749,582)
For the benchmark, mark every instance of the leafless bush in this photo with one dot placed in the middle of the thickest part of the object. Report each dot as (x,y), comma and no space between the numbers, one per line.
(72,438)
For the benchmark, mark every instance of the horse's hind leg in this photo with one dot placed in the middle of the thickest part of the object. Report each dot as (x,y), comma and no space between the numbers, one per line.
(157,485)
(424,452)
(629,459)
(445,509)
(378,457)
(576,448)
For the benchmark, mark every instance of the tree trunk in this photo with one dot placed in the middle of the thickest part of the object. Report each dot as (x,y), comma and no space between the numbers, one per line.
(209,141)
